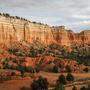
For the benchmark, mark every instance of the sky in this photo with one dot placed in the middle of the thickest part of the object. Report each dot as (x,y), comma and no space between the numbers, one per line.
(74,14)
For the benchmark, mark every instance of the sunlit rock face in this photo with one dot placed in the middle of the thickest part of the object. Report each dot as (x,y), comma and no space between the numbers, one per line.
(60,35)
(13,29)
(84,36)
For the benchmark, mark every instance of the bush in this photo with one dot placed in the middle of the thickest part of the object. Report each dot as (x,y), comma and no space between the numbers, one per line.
(86,70)
(21,69)
(6,78)
(55,69)
(83,88)
(60,83)
(20,53)
(69,77)
(25,88)
(74,88)
(32,53)
(12,50)
(17,17)
(40,84)
(88,87)
(29,69)
(6,15)
(37,69)
(60,87)
(61,79)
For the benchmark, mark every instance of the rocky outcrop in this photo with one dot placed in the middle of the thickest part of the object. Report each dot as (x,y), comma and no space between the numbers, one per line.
(60,35)
(15,29)
(84,36)
(68,37)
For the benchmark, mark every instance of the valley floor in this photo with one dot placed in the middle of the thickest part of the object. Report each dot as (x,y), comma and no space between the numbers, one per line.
(52,77)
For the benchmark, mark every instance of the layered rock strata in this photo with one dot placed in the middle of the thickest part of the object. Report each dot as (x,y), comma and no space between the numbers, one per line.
(13,29)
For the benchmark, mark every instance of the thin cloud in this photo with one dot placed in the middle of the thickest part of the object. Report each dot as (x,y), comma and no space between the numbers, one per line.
(81,16)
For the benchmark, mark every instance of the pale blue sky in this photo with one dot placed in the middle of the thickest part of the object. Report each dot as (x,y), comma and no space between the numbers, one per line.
(75,14)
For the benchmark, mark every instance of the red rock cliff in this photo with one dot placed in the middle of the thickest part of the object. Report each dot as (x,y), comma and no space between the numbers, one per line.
(13,29)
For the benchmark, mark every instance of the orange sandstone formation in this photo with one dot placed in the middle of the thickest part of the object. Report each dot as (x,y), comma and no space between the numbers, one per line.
(13,29)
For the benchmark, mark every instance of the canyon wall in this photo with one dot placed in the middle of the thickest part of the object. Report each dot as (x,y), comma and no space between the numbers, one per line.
(13,29)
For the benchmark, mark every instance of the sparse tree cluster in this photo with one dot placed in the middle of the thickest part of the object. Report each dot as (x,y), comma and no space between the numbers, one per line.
(40,84)
(9,16)
(62,80)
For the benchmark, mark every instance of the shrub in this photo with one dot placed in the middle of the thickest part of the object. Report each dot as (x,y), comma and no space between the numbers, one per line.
(7,78)
(34,22)
(20,53)
(40,84)
(83,88)
(61,79)
(74,88)
(69,77)
(60,87)
(60,83)
(21,69)
(4,78)
(27,75)
(37,69)
(6,15)
(29,69)
(25,88)
(17,17)
(12,50)
(86,70)
(55,69)
(32,53)
(88,87)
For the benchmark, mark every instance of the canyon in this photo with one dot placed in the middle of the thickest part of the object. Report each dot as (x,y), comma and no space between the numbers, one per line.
(13,29)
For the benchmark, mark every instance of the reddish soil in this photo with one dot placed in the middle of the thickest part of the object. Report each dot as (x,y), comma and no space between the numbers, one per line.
(52,77)
(15,84)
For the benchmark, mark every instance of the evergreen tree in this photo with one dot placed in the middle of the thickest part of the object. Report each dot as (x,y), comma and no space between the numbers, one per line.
(60,87)
(62,79)
(40,84)
(69,77)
